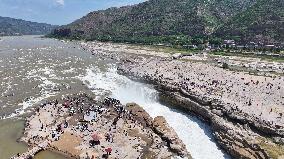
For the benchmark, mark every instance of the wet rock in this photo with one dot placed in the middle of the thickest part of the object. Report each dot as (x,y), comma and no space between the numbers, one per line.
(167,133)
(237,140)
(160,126)
(139,114)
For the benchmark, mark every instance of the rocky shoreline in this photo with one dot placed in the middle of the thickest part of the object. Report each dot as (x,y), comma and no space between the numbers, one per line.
(245,111)
(252,129)
(79,126)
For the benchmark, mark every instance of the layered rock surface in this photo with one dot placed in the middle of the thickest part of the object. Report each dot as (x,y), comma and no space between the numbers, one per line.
(160,126)
(245,111)
(81,127)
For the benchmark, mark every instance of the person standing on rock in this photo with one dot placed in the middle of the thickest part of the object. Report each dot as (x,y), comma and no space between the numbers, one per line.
(108,151)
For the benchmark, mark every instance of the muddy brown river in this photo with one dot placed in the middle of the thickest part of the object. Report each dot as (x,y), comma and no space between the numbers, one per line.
(34,70)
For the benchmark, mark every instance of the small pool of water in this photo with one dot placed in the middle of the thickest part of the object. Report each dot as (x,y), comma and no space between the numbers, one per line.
(49,155)
(10,131)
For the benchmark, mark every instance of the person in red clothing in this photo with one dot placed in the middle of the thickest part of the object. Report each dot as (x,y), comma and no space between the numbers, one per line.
(108,151)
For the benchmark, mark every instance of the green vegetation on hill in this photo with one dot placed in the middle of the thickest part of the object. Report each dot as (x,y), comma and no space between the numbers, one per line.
(263,22)
(173,22)
(10,26)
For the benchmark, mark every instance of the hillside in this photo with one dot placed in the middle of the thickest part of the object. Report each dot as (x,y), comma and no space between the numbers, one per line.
(10,26)
(161,21)
(263,22)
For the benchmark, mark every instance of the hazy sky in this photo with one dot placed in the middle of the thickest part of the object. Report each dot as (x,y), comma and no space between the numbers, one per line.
(56,11)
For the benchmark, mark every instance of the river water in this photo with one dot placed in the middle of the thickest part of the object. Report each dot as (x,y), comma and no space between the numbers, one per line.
(34,69)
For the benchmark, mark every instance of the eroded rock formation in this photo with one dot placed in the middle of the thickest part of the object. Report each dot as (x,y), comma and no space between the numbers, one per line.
(245,111)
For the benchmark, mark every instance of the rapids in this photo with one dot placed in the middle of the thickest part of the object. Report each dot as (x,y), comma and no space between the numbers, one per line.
(33,70)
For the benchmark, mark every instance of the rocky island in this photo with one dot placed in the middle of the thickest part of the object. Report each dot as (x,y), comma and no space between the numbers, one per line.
(80,127)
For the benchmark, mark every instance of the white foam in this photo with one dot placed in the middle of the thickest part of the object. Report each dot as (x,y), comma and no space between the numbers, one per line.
(71,70)
(195,134)
(26,105)
(44,75)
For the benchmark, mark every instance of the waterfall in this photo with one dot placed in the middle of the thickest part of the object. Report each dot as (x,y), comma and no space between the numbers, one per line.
(196,135)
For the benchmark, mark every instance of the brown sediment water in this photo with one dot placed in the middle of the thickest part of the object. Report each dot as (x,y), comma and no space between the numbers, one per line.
(34,70)
(49,155)
(10,131)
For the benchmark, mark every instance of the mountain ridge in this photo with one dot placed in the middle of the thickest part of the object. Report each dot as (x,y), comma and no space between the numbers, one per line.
(263,22)
(11,26)
(155,18)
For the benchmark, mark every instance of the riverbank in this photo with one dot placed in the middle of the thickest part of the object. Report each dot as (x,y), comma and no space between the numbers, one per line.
(50,69)
(245,111)
(256,65)
(105,129)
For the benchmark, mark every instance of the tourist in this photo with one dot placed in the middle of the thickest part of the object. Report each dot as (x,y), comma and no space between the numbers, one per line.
(108,151)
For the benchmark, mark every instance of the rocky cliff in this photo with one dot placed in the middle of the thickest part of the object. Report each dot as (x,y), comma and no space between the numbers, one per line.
(244,111)
(160,126)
